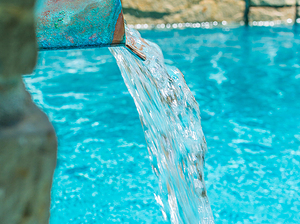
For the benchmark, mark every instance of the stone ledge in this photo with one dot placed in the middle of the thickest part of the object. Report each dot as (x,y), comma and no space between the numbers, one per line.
(271,3)
(271,14)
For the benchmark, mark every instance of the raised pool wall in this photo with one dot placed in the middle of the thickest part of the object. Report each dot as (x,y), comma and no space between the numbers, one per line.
(193,11)
(28,143)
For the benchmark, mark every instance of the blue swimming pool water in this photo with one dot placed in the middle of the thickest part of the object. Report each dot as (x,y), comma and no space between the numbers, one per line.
(246,81)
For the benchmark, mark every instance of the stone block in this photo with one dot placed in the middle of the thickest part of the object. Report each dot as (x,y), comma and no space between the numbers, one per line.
(166,6)
(273,2)
(271,14)
(230,11)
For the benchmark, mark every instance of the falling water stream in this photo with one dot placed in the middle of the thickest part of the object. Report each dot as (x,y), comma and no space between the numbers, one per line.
(170,118)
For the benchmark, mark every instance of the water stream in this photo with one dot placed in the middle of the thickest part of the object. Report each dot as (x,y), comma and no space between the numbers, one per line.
(170,119)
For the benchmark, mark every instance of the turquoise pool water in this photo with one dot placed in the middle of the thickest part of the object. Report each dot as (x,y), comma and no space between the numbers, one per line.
(246,82)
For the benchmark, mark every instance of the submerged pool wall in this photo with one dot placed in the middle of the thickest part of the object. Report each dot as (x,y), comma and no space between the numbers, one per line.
(27,139)
(231,11)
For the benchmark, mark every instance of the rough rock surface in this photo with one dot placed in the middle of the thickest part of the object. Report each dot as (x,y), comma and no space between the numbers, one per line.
(27,139)
(27,158)
(271,14)
(17,20)
(175,11)
(273,2)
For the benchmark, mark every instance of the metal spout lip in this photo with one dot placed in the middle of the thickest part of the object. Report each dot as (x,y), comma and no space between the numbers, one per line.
(136,52)
(71,24)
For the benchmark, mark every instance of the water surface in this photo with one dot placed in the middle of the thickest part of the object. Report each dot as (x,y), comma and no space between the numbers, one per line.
(246,82)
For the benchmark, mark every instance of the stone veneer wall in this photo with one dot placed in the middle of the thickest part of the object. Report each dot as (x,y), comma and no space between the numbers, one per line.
(27,139)
(232,11)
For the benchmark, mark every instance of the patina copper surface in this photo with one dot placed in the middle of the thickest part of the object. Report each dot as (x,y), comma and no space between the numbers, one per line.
(70,24)
(67,24)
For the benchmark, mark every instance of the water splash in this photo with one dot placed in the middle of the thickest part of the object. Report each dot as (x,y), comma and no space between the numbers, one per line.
(170,118)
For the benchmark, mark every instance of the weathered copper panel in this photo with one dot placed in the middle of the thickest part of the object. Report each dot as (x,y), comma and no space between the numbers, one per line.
(67,24)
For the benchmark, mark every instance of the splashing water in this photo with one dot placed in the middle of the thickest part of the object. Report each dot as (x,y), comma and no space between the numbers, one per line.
(170,118)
